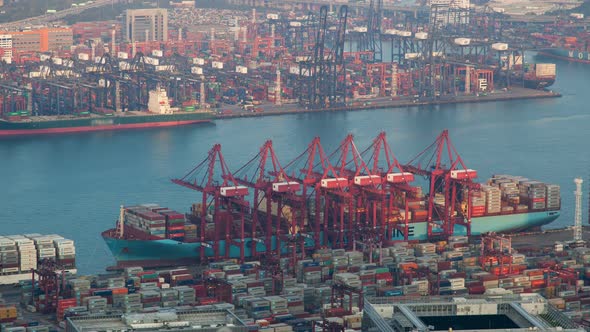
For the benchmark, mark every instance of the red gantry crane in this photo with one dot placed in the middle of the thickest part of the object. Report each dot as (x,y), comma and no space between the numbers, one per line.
(387,202)
(277,208)
(312,169)
(447,175)
(222,201)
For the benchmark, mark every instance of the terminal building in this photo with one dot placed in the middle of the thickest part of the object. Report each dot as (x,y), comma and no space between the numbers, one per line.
(512,312)
(146,25)
(197,319)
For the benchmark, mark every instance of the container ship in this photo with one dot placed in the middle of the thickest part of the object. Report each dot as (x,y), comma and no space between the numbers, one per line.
(22,253)
(280,221)
(159,114)
(576,55)
(535,76)
(567,48)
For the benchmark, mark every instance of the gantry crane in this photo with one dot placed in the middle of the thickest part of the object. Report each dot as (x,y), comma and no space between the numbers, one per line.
(310,168)
(446,179)
(391,196)
(272,188)
(220,192)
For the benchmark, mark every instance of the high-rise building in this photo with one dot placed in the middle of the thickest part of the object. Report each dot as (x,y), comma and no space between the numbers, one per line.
(6,47)
(146,24)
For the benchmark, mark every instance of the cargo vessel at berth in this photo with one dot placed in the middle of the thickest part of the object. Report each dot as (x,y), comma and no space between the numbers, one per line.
(160,115)
(326,206)
(138,248)
(534,76)
(576,55)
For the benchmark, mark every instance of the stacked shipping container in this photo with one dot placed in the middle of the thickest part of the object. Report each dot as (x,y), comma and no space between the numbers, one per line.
(21,253)
(158,222)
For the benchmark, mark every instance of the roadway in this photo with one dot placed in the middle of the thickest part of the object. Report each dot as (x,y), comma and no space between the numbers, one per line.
(48,18)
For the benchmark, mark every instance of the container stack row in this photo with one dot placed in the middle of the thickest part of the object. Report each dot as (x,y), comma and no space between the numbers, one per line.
(19,254)
(524,194)
(159,222)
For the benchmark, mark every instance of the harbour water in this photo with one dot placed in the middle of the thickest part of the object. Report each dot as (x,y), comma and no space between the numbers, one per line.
(74,184)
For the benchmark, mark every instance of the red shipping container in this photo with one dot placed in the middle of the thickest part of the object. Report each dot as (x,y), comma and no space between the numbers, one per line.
(381,276)
(474,284)
(207,300)
(179,271)
(458,275)
(354,269)
(476,290)
(446,265)
(487,277)
(200,290)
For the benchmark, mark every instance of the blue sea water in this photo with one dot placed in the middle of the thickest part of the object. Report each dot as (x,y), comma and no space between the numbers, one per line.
(74,184)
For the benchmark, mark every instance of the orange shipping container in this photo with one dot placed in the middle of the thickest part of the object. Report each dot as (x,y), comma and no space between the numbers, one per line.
(120,291)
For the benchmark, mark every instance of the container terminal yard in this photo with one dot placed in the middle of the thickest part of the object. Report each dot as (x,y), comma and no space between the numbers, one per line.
(354,260)
(268,61)
(331,241)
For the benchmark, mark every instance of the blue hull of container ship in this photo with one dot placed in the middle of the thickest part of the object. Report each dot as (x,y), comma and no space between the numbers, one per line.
(168,252)
(569,55)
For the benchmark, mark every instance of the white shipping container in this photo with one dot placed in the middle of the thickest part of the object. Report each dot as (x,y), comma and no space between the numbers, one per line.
(295,24)
(217,64)
(500,46)
(272,16)
(241,69)
(123,55)
(405,33)
(151,61)
(462,41)
(197,70)
(157,53)
(198,61)
(83,57)
(545,69)
(410,56)
(63,242)
(421,35)
(124,65)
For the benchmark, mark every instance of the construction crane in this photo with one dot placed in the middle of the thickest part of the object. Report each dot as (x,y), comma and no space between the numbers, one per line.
(223,201)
